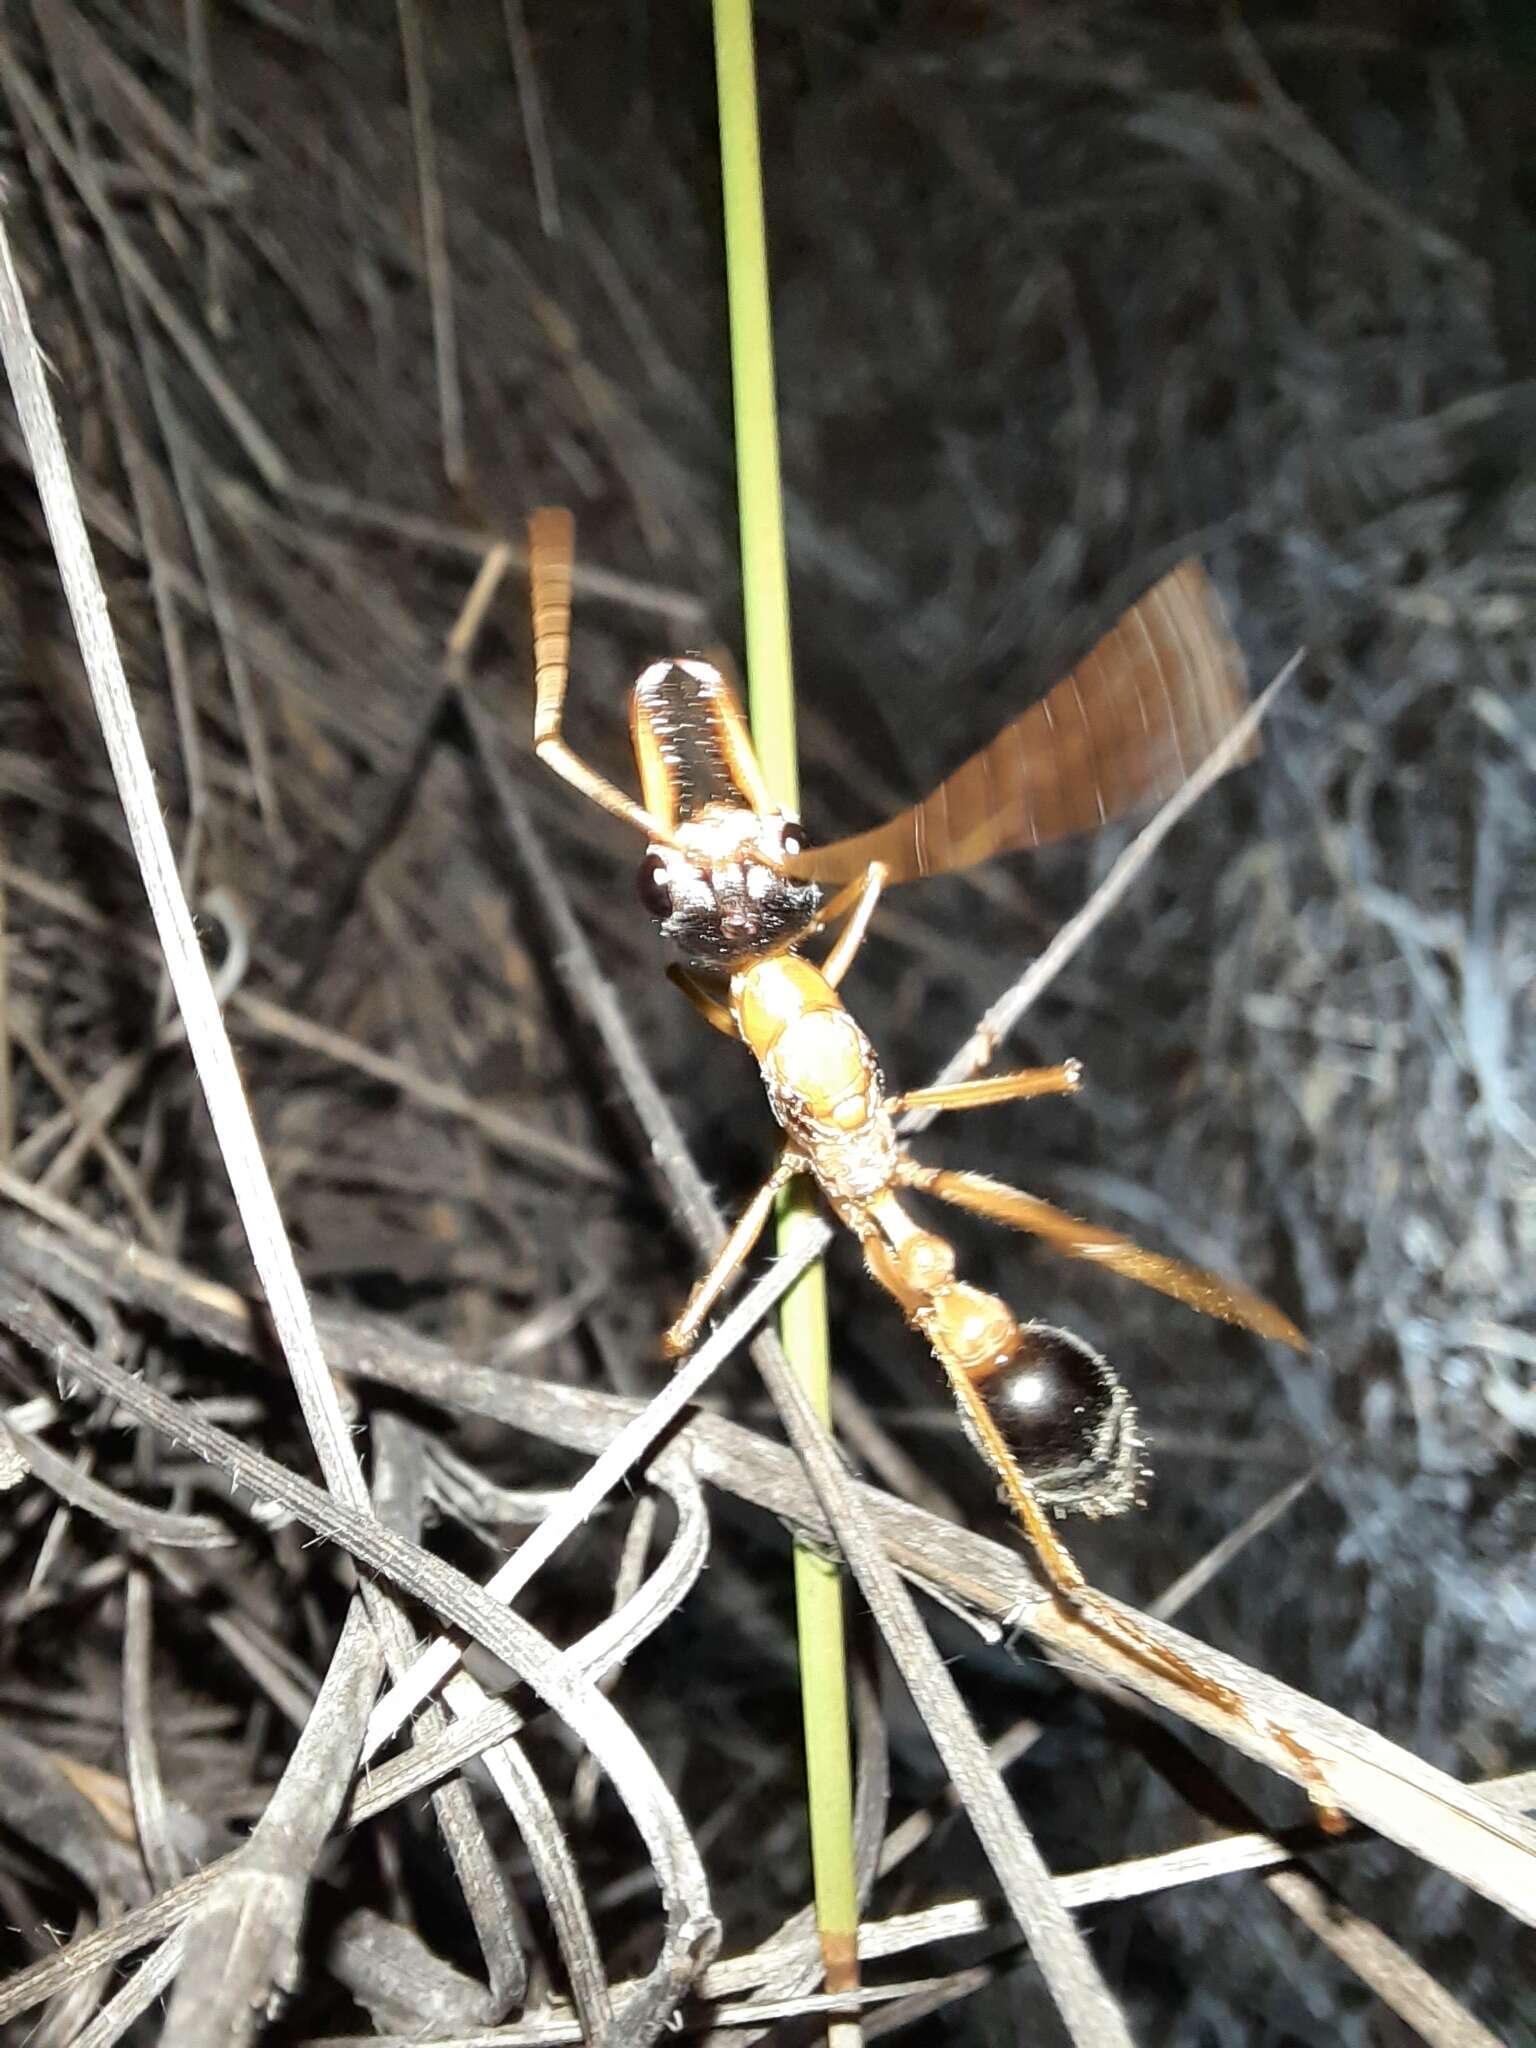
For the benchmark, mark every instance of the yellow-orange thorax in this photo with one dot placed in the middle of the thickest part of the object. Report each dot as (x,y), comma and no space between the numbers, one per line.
(821,1074)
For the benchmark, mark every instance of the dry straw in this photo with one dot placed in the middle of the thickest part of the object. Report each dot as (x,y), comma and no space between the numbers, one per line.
(1365,1001)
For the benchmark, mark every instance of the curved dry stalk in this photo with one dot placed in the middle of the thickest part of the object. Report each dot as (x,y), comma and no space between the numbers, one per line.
(691,1928)
(1442,967)
(1386,1787)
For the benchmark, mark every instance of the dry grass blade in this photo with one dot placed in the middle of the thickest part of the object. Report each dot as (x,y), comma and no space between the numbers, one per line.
(629,1448)
(246,1935)
(436,1756)
(400,1491)
(678,1869)
(147,1986)
(1404,1986)
(450,398)
(1053,317)
(531,106)
(1189,1584)
(143,1523)
(691,1930)
(184,959)
(524,1140)
(145,1779)
(549,1852)
(1382,1785)
(199,358)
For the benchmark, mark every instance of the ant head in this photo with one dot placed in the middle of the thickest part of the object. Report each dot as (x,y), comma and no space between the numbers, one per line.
(720,887)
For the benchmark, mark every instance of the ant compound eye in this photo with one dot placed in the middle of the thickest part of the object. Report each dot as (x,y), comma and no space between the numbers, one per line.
(655,886)
(794,836)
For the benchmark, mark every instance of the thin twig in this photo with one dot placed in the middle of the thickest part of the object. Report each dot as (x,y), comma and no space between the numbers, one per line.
(1381,1784)
(205,130)
(434,236)
(691,1932)
(1003,1015)
(531,107)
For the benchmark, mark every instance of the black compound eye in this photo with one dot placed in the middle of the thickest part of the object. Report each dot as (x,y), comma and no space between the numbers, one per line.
(655,886)
(795,837)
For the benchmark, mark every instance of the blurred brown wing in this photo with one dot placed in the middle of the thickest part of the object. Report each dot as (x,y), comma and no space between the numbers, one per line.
(1127,726)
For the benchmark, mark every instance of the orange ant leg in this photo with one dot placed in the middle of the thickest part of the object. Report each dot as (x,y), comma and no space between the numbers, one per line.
(1022,1086)
(1200,1290)
(857,903)
(703,998)
(1073,1593)
(977,1341)
(551,551)
(730,1259)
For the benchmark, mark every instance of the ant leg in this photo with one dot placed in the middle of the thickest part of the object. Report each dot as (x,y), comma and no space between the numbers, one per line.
(1022,1086)
(1206,1292)
(703,999)
(551,548)
(1072,1592)
(884,1266)
(835,908)
(729,1260)
(857,902)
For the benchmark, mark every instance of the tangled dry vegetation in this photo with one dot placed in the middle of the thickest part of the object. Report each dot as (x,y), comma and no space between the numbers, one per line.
(329,299)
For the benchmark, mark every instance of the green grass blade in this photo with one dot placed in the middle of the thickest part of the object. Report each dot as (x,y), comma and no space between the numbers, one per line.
(771,695)
(759,495)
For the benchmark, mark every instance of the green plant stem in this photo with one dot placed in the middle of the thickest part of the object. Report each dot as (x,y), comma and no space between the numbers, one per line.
(771,695)
(759,496)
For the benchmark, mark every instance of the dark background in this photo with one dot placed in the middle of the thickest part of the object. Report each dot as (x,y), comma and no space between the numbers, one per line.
(1062,294)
